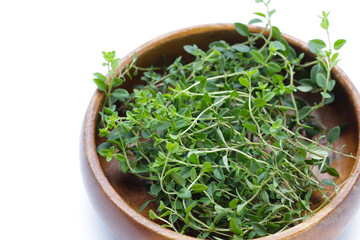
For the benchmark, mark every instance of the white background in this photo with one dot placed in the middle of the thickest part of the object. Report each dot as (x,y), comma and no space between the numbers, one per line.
(48,52)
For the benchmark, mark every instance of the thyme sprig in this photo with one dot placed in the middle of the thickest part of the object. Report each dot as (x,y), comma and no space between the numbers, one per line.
(226,146)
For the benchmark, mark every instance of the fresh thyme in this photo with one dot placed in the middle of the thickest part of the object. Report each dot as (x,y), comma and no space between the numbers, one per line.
(225,145)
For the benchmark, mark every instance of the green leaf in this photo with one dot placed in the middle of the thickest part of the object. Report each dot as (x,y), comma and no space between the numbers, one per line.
(145,134)
(181,124)
(244,113)
(324,165)
(272,12)
(249,184)
(218,208)
(242,29)
(257,56)
(332,172)
(303,204)
(193,50)
(265,196)
(276,32)
(233,203)
(193,174)
(131,140)
(309,83)
(109,56)
(140,168)
(278,45)
(304,112)
(241,48)
(316,45)
(172,147)
(318,152)
(281,135)
(198,187)
(334,57)
(325,95)
(339,43)
(304,88)
(135,58)
(299,158)
(234,226)
(207,99)
(240,207)
(273,225)
(194,159)
(167,213)
(315,70)
(202,80)
(100,84)
(144,205)
(287,216)
(124,167)
(207,167)
(105,145)
(255,20)
(223,112)
(121,93)
(265,129)
(178,179)
(155,189)
(259,13)
(216,52)
(328,182)
(280,157)
(278,123)
(152,214)
(121,158)
(269,96)
(190,207)
(324,20)
(160,98)
(259,103)
(273,67)
(221,135)
(117,81)
(115,63)
(218,173)
(243,81)
(277,78)
(212,187)
(251,127)
(259,229)
(321,80)
(331,85)
(100,76)
(103,152)
(308,195)
(333,135)
(184,193)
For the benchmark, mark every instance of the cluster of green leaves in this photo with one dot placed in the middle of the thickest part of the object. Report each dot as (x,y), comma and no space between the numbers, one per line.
(227,148)
(114,79)
(327,59)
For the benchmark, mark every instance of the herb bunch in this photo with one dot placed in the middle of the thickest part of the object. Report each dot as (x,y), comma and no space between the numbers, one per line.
(224,144)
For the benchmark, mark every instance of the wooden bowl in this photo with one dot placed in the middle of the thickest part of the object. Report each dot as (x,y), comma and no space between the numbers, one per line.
(117,197)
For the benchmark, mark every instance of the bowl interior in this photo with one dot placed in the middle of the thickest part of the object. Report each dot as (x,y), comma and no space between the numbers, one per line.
(133,191)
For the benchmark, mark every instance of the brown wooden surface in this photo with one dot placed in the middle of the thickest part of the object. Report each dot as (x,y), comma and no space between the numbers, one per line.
(117,197)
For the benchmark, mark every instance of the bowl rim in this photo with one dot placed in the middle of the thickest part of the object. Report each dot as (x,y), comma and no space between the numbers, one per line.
(93,160)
